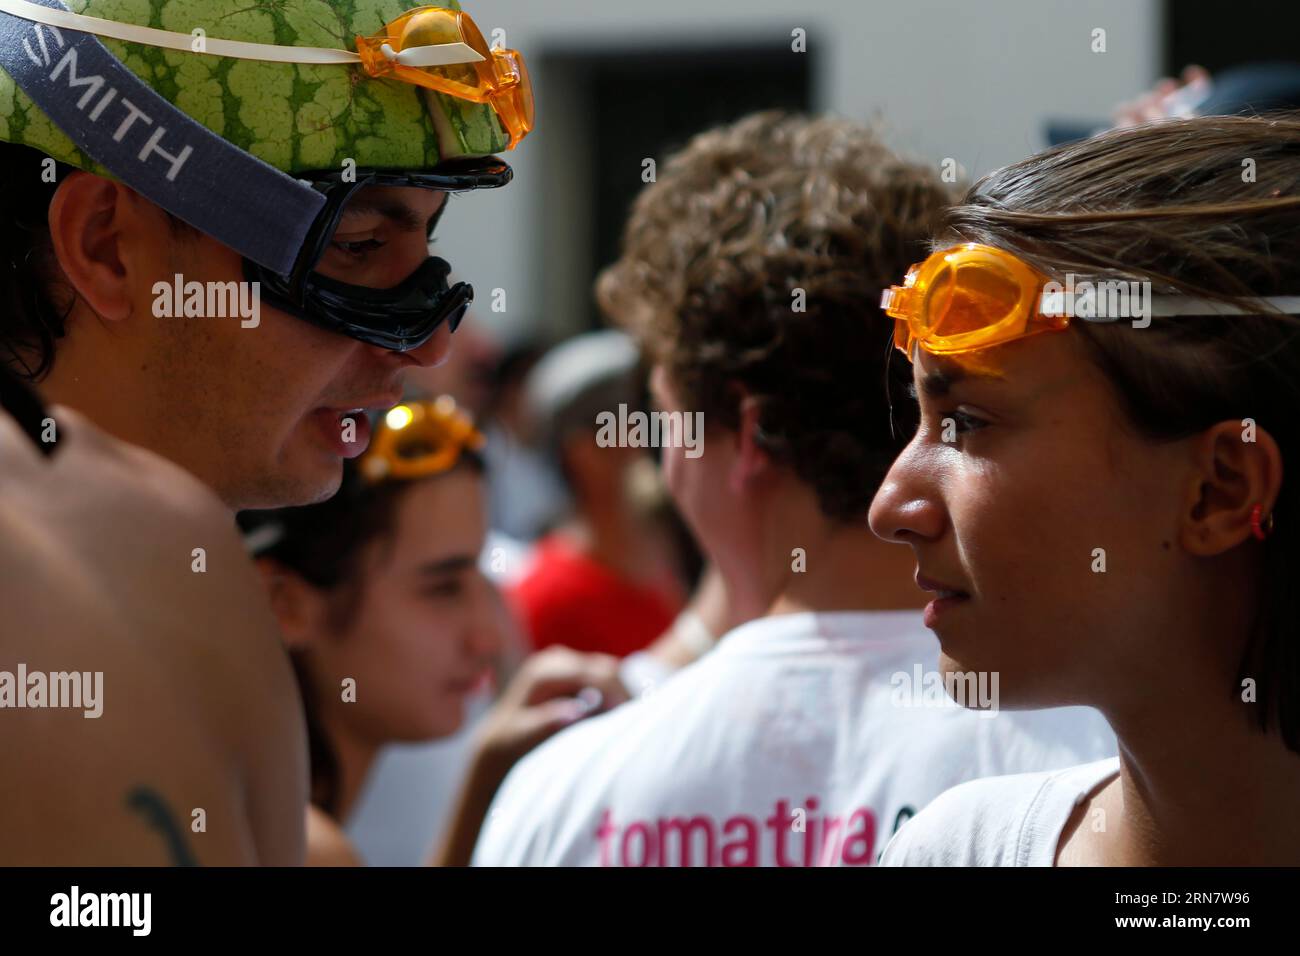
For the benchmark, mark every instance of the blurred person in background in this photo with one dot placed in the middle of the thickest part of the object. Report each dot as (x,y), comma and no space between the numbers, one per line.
(411,793)
(486,376)
(751,273)
(1251,88)
(467,373)
(391,625)
(526,492)
(408,801)
(608,577)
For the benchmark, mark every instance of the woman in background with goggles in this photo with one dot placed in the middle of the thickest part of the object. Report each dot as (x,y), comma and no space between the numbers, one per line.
(1099,501)
(391,625)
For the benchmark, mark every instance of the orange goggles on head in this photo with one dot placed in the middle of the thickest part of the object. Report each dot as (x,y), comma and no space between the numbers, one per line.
(443,50)
(973,297)
(966,298)
(419,439)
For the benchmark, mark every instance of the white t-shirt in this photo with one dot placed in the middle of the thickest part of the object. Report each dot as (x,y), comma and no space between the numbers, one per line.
(1002,821)
(792,743)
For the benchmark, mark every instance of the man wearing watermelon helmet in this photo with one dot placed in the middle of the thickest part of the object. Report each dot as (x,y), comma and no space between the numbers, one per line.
(307,146)
(303,151)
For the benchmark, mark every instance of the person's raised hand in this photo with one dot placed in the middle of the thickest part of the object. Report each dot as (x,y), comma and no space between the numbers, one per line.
(1168,98)
(553,689)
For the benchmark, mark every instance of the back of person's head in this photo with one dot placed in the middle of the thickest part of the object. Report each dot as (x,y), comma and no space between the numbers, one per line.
(573,384)
(1206,207)
(754,267)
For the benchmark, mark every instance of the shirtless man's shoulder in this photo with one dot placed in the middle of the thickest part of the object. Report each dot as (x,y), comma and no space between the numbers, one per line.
(124,583)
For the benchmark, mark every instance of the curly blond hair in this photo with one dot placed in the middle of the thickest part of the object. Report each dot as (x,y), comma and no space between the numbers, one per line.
(715,257)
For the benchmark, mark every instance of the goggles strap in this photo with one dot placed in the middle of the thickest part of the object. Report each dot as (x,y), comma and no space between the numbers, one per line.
(440,54)
(1169,306)
(153,147)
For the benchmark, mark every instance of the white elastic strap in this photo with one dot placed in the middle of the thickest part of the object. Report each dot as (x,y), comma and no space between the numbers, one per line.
(1167,306)
(442,54)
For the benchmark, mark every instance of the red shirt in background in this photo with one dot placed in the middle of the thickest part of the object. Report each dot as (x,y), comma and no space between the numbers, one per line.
(567,598)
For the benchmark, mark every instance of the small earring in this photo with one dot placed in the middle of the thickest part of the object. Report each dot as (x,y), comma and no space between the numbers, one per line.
(1260,529)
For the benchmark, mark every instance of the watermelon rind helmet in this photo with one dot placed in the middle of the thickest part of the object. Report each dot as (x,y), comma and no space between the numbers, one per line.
(256,123)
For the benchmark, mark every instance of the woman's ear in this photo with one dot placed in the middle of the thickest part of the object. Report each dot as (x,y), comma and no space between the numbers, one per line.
(299,607)
(1236,466)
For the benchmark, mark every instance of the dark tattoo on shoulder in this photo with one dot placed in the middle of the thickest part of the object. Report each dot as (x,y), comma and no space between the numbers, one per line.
(149,803)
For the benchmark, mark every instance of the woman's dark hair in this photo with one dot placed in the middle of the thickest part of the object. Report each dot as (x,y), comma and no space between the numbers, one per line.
(324,545)
(1207,207)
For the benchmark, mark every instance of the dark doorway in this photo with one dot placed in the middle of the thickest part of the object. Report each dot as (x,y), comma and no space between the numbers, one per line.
(1218,35)
(629,106)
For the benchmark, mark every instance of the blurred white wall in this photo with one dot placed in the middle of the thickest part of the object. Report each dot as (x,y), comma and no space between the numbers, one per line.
(972,80)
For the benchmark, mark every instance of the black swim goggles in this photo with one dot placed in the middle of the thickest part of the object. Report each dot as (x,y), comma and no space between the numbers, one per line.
(402,317)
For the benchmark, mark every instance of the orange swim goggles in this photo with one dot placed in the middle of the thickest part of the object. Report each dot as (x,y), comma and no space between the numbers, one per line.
(418,439)
(972,297)
(443,50)
(966,298)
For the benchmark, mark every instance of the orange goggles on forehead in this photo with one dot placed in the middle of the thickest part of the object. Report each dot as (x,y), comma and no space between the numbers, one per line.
(967,298)
(419,439)
(444,51)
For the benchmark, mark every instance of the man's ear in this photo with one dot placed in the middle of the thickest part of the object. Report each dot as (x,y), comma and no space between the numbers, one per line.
(1230,476)
(751,461)
(88,218)
(299,608)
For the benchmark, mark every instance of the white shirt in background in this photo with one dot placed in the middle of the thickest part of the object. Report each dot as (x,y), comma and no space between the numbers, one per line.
(789,744)
(1002,821)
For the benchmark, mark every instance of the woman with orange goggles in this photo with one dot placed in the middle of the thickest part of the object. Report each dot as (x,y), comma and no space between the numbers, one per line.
(1101,507)
(392,627)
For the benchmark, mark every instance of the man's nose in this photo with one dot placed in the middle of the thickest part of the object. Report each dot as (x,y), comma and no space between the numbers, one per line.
(433,352)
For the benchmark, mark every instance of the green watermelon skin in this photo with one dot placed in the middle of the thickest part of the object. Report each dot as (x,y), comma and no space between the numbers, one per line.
(296,117)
